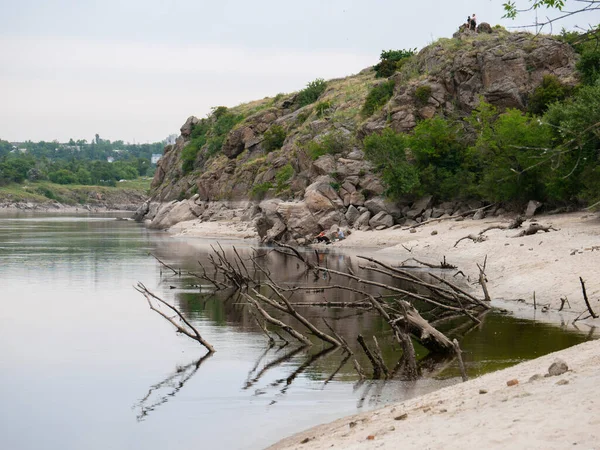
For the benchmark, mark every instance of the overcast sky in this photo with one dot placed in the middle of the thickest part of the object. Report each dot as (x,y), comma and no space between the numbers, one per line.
(135,70)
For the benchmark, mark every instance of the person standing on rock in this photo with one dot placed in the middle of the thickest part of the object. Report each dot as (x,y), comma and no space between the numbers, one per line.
(468,22)
(473,22)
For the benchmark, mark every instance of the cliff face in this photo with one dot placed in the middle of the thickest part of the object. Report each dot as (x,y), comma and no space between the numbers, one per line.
(319,177)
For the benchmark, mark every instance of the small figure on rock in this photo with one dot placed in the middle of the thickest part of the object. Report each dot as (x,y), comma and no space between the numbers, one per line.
(473,22)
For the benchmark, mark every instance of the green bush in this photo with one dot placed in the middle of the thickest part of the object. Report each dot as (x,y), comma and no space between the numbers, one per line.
(423,94)
(283,176)
(378,96)
(549,91)
(390,61)
(311,92)
(274,138)
(322,108)
(259,191)
(589,65)
(388,152)
(330,143)
(62,176)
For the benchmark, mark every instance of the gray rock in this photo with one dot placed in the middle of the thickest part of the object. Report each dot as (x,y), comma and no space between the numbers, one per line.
(381,219)
(419,207)
(187,127)
(532,207)
(332,218)
(479,214)
(558,367)
(352,214)
(320,197)
(362,221)
(325,165)
(378,204)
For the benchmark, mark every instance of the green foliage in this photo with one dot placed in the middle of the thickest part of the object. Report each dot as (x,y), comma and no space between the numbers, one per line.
(390,61)
(50,193)
(441,158)
(589,65)
(259,191)
(508,151)
(322,108)
(422,94)
(576,143)
(378,96)
(311,92)
(335,185)
(330,143)
(549,91)
(388,152)
(209,134)
(274,138)
(283,176)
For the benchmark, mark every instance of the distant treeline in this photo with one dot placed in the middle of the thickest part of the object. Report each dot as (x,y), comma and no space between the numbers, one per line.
(76,162)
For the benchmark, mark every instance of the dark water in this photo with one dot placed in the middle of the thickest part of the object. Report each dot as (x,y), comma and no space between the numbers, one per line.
(85,364)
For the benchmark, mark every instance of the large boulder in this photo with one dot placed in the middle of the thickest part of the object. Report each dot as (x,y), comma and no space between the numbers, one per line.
(300,222)
(188,126)
(363,221)
(175,212)
(352,214)
(381,219)
(238,140)
(320,197)
(419,207)
(379,204)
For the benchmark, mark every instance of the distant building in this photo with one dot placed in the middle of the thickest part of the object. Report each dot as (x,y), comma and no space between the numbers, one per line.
(110,159)
(155,158)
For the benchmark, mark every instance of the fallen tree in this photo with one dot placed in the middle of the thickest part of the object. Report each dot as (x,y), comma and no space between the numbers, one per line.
(393,292)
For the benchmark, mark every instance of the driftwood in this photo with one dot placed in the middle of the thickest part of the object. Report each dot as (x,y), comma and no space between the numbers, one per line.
(534,228)
(182,325)
(587,302)
(483,280)
(442,265)
(377,368)
(515,223)
(262,293)
(456,216)
(475,238)
(461,364)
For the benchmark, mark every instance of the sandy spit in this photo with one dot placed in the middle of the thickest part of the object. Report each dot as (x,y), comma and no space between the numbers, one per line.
(554,412)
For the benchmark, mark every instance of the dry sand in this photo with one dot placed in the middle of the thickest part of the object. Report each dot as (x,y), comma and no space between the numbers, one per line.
(553,412)
(548,413)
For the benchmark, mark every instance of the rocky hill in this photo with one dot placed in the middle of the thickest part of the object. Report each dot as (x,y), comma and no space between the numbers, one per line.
(296,170)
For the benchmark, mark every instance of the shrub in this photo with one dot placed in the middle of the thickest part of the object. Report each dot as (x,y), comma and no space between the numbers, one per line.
(311,92)
(549,91)
(589,65)
(330,143)
(283,176)
(378,96)
(390,61)
(322,108)
(259,191)
(62,176)
(273,138)
(388,152)
(423,94)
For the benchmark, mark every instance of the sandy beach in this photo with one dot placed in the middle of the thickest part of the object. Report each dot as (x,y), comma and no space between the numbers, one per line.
(547,412)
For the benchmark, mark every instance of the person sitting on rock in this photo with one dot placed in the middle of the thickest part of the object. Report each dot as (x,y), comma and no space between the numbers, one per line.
(322,237)
(473,22)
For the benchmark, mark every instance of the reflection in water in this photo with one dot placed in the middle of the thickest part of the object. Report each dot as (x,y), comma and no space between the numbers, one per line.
(160,393)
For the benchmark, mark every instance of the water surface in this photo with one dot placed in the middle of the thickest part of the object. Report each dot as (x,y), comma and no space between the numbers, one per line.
(85,364)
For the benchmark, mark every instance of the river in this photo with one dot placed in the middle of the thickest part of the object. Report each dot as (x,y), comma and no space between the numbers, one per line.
(86,365)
